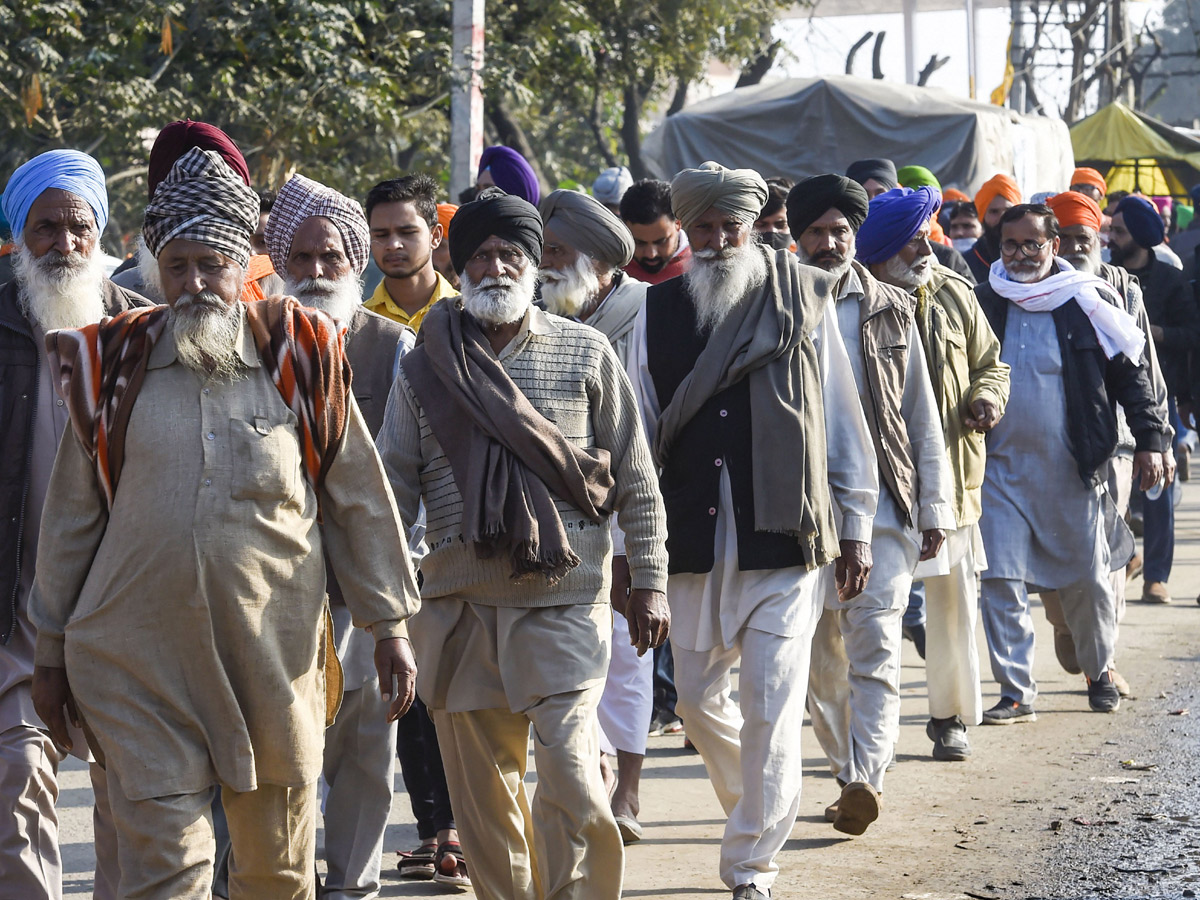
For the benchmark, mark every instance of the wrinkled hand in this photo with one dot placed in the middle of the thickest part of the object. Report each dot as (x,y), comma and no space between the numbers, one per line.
(852,569)
(1169,467)
(51,695)
(394,659)
(984,416)
(649,619)
(622,583)
(1149,465)
(932,540)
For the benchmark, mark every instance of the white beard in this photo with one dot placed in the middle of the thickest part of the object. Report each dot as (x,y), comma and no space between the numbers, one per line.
(206,334)
(718,283)
(54,297)
(1028,276)
(337,298)
(499,301)
(148,269)
(567,293)
(909,277)
(1090,263)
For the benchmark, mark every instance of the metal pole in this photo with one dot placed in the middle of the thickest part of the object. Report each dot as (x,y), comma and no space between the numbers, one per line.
(910,48)
(466,98)
(972,50)
(1017,57)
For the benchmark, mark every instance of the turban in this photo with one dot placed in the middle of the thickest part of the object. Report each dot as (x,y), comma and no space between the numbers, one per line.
(446,212)
(612,184)
(302,198)
(882,170)
(813,197)
(67,170)
(894,220)
(1162,204)
(998,185)
(511,172)
(587,225)
(494,213)
(917,176)
(1142,221)
(1183,216)
(1085,175)
(954,195)
(741,193)
(5,231)
(1074,208)
(180,137)
(1195,193)
(204,200)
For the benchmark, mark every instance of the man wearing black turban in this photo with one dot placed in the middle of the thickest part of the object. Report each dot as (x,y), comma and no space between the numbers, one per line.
(825,212)
(877,176)
(519,431)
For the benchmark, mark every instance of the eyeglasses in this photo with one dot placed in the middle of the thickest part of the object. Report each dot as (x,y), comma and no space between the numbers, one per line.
(1027,248)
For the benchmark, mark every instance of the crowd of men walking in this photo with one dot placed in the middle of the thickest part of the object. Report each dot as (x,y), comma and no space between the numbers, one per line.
(306,486)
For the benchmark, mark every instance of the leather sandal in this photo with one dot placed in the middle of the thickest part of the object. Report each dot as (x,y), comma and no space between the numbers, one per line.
(451,865)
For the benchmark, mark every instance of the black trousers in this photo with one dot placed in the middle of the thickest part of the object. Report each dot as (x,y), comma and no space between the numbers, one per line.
(421,767)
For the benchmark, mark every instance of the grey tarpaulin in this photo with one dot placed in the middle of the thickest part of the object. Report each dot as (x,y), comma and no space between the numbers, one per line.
(806,126)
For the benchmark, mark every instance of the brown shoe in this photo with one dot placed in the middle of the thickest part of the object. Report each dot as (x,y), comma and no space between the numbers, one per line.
(1119,680)
(1133,568)
(831,812)
(1064,649)
(1155,592)
(857,808)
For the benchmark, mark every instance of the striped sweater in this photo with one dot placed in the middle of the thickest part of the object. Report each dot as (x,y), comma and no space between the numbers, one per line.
(571,375)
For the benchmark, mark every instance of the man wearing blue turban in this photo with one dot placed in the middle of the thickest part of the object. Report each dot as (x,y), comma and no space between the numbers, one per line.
(971,386)
(57,206)
(854,681)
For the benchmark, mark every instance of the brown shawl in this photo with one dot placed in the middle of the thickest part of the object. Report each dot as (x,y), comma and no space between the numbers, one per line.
(508,460)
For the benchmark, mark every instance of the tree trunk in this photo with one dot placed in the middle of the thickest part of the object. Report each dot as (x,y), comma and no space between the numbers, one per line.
(679,99)
(631,132)
(756,68)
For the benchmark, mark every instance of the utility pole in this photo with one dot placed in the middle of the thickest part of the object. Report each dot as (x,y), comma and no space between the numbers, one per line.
(466,98)
(1016,96)
(909,9)
(972,50)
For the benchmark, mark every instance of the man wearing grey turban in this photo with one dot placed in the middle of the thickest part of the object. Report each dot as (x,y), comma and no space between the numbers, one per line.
(585,249)
(737,364)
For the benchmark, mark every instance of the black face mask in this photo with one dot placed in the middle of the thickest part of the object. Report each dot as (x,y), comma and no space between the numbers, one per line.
(776,240)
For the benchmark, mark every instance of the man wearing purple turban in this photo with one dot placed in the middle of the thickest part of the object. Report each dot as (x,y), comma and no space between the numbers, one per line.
(505,168)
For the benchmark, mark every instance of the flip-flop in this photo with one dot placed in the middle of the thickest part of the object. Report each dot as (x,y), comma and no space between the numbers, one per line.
(418,864)
(630,828)
(451,866)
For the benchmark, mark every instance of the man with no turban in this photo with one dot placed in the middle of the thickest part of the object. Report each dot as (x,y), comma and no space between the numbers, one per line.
(750,406)
(854,685)
(519,431)
(586,248)
(58,208)
(203,667)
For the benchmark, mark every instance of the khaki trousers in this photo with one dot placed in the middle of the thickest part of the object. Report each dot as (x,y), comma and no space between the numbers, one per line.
(566,846)
(30,864)
(165,845)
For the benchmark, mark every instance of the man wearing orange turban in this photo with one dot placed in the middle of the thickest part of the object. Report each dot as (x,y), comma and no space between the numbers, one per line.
(441,253)
(1090,183)
(997,194)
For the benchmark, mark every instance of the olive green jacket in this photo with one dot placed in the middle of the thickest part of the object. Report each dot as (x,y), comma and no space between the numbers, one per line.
(964,364)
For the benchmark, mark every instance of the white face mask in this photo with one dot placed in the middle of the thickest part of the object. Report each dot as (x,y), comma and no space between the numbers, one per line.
(963,245)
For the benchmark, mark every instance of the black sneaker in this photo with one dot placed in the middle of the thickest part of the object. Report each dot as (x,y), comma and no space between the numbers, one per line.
(1009,712)
(749,892)
(949,738)
(916,634)
(1103,695)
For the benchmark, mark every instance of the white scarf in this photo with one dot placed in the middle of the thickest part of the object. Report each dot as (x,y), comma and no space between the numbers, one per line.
(1117,330)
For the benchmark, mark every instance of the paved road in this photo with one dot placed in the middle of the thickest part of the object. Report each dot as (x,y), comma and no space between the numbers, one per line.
(1064,808)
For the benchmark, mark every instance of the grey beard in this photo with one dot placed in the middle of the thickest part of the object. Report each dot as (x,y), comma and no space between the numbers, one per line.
(909,277)
(206,334)
(567,293)
(148,270)
(718,283)
(339,299)
(838,270)
(1027,276)
(1089,263)
(54,297)
(499,301)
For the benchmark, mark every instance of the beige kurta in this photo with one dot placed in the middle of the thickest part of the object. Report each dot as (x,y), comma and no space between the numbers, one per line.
(189,618)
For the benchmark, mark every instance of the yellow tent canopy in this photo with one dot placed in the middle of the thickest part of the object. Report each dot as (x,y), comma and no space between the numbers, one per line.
(1136,152)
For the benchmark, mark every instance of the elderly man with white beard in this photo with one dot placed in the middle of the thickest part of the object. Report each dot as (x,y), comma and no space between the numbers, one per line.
(854,687)
(58,206)
(1079,221)
(180,597)
(586,247)
(519,431)
(1074,353)
(318,239)
(750,406)
(971,386)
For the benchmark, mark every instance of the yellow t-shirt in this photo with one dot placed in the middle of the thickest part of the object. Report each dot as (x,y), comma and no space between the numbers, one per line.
(381,302)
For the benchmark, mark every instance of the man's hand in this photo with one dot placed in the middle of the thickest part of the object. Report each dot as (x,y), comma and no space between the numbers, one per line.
(852,569)
(649,619)
(931,542)
(394,662)
(984,416)
(1169,467)
(622,583)
(51,695)
(1148,464)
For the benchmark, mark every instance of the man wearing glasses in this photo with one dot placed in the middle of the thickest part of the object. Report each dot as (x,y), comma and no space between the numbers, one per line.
(1073,351)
